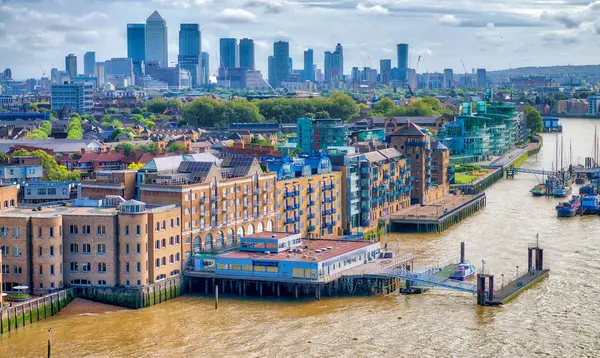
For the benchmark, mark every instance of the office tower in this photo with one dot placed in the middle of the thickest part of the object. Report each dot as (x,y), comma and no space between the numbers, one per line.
(481,78)
(402,60)
(54,76)
(309,73)
(157,47)
(100,74)
(75,95)
(136,46)
(71,65)
(272,76)
(281,53)
(290,64)
(385,69)
(334,63)
(339,50)
(448,78)
(88,63)
(190,48)
(228,52)
(247,53)
(7,74)
(205,65)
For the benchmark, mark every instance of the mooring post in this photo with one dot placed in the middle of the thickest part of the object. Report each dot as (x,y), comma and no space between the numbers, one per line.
(217,297)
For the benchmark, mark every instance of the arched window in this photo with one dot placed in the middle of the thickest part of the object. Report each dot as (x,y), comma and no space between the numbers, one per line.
(171,223)
(259,227)
(175,272)
(157,244)
(171,241)
(74,248)
(176,239)
(164,260)
(86,249)
(171,258)
(101,230)
(164,243)
(101,249)
(12,202)
(250,229)
(72,229)
(101,267)
(177,257)
(177,222)
(17,270)
(74,266)
(164,224)
(157,263)
(86,229)
(86,267)
(157,226)
(161,277)
(219,241)
(196,245)
(240,233)
(270,225)
(230,235)
(208,242)
(6,203)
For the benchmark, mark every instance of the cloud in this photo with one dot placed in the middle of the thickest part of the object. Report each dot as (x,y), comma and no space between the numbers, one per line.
(82,38)
(185,4)
(270,6)
(235,16)
(376,9)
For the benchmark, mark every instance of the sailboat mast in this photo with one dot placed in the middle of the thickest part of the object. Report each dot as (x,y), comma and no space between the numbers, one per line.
(562,149)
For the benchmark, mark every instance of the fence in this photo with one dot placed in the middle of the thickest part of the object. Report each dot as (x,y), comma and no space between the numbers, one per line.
(480,185)
(35,310)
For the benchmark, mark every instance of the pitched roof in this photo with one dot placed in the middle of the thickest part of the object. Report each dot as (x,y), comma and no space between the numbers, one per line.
(410,129)
(374,157)
(101,157)
(155,16)
(390,153)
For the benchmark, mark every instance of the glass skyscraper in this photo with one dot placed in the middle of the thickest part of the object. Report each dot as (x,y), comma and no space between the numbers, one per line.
(157,48)
(247,53)
(89,59)
(228,51)
(281,54)
(205,69)
(385,70)
(309,74)
(136,46)
(402,61)
(71,65)
(190,48)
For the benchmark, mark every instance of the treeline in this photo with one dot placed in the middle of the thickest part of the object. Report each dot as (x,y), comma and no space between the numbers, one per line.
(422,107)
(43,132)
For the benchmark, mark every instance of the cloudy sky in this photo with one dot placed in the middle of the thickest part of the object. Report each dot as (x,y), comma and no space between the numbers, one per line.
(492,34)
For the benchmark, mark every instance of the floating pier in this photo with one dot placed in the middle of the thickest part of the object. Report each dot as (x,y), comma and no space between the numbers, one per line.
(438,216)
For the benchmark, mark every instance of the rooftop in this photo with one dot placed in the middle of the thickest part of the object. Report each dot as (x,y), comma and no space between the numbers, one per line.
(312,251)
(52,211)
(269,235)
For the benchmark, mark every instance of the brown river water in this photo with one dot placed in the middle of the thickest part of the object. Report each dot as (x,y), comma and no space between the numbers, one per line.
(559,317)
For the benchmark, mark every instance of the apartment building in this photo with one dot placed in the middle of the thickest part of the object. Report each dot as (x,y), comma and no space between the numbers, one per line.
(22,169)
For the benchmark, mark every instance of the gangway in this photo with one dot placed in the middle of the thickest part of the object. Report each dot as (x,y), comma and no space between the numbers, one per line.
(429,279)
(534,171)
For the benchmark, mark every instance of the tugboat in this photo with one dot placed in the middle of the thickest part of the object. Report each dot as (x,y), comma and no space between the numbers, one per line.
(562,191)
(580,180)
(568,209)
(463,270)
(590,204)
(539,190)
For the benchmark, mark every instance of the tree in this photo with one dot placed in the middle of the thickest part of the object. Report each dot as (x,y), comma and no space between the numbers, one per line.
(322,115)
(176,147)
(136,166)
(46,127)
(200,112)
(136,110)
(149,148)
(52,171)
(533,119)
(127,148)
(384,106)
(37,134)
(111,110)
(340,105)
(157,105)
(74,130)
(138,118)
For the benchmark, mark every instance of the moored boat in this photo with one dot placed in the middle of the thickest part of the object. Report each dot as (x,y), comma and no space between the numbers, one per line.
(463,271)
(590,204)
(562,191)
(539,190)
(569,208)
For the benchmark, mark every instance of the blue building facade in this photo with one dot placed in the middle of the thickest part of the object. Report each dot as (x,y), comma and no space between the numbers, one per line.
(190,51)
(228,49)
(136,46)
(247,54)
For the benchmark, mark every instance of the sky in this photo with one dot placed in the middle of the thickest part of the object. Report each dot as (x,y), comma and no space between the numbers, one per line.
(36,35)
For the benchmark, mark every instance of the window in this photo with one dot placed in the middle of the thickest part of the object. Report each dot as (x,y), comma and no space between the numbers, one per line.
(177,257)
(157,264)
(101,267)
(86,230)
(176,239)
(4,250)
(187,197)
(194,196)
(101,230)
(126,229)
(171,258)
(187,211)
(5,269)
(164,243)
(40,232)
(16,232)
(51,270)
(164,224)
(101,282)
(101,249)
(177,222)
(138,267)
(72,229)
(171,223)
(74,248)
(51,250)
(127,267)
(16,250)
(138,230)
(171,241)
(86,267)
(86,249)
(157,244)
(51,232)
(138,249)
(17,270)
(164,260)
(157,226)
(40,251)
(126,249)
(74,266)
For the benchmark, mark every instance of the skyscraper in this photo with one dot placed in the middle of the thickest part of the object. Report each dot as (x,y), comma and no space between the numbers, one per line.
(309,73)
(89,59)
(157,45)
(339,50)
(272,72)
(281,52)
(402,60)
(481,78)
(205,72)
(228,52)
(334,64)
(448,78)
(7,74)
(136,46)
(385,69)
(247,53)
(71,65)
(190,48)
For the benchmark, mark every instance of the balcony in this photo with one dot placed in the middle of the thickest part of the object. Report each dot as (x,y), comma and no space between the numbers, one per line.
(203,200)
(429,159)
(310,216)
(246,192)
(311,203)
(214,198)
(428,167)
(311,229)
(310,190)
(326,212)
(333,211)
(256,191)
(290,194)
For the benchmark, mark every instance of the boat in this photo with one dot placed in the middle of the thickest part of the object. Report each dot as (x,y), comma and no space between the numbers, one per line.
(580,180)
(539,190)
(568,209)
(562,191)
(463,271)
(590,204)
(587,190)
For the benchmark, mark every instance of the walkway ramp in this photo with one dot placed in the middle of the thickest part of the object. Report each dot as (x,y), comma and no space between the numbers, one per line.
(431,280)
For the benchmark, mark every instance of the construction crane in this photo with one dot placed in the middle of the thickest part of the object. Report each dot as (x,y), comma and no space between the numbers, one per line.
(464,68)
(43,72)
(411,92)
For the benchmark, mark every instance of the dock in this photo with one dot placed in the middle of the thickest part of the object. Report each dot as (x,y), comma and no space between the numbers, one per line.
(439,215)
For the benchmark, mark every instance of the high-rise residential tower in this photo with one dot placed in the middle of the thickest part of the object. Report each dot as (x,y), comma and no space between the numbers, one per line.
(385,70)
(228,51)
(281,53)
(205,69)
(190,48)
(481,78)
(402,50)
(157,45)
(89,59)
(448,78)
(247,54)
(136,46)
(71,65)
(334,65)
(309,61)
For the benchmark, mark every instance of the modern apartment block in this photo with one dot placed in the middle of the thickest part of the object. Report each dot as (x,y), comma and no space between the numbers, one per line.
(77,96)
(416,143)
(22,169)
(317,134)
(308,195)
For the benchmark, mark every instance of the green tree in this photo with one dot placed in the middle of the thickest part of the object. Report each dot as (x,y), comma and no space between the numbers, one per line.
(127,148)
(201,112)
(322,115)
(384,106)
(52,171)
(149,148)
(176,147)
(46,127)
(37,134)
(157,105)
(533,119)
(342,106)
(74,130)
(137,110)
(138,118)
(111,110)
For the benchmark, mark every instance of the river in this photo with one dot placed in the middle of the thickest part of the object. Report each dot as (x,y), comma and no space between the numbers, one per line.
(558,318)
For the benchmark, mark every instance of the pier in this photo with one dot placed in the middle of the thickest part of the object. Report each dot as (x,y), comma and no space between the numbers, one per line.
(437,216)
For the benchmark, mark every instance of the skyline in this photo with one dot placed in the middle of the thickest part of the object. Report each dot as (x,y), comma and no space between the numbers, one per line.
(43,32)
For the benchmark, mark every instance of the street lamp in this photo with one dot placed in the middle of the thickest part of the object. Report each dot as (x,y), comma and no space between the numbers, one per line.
(502,275)
(517,271)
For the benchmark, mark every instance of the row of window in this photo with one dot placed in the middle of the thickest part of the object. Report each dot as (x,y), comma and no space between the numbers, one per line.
(158,244)
(232,190)
(87,230)
(163,262)
(86,267)
(9,204)
(16,250)
(16,231)
(87,249)
(172,223)
(234,267)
